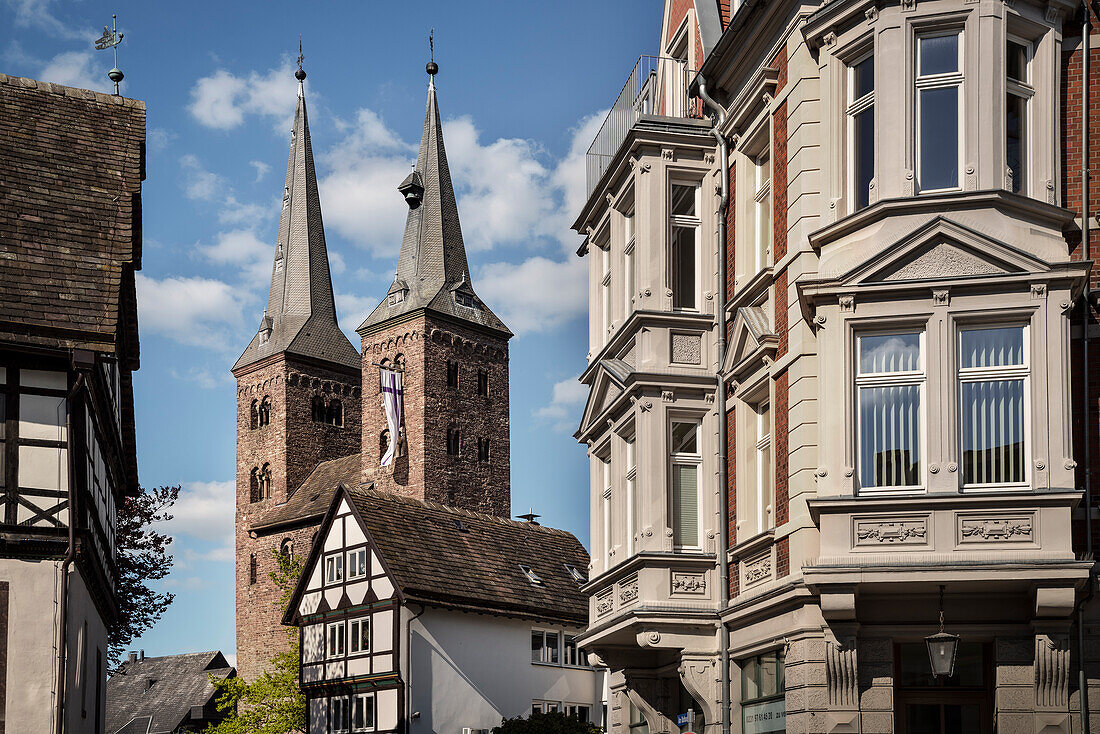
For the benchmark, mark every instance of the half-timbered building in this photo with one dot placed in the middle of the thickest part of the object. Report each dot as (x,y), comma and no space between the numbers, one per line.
(70,243)
(415,616)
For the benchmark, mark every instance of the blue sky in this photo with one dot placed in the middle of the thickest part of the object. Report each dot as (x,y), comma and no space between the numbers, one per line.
(522,86)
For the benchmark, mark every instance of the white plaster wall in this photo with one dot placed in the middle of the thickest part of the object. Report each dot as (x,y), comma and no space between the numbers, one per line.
(33,599)
(471,670)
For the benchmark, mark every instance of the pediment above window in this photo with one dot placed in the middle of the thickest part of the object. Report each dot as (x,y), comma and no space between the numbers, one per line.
(608,385)
(752,342)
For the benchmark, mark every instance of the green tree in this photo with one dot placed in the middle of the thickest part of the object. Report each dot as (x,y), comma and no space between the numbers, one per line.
(553,722)
(142,557)
(273,703)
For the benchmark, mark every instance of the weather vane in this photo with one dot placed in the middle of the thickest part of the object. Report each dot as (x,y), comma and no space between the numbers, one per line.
(300,75)
(432,68)
(110,39)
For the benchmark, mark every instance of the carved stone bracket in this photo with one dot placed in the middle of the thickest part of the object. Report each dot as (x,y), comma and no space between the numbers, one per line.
(841,675)
(700,676)
(1052,671)
(650,696)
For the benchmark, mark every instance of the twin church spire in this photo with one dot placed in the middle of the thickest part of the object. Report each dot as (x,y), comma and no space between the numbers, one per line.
(432,271)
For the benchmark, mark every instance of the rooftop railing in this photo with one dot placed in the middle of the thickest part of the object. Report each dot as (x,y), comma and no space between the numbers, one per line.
(658,85)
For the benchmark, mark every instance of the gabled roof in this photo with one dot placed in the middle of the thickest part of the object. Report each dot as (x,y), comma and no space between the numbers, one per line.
(313,497)
(70,217)
(432,264)
(178,682)
(446,557)
(301,311)
(608,384)
(751,337)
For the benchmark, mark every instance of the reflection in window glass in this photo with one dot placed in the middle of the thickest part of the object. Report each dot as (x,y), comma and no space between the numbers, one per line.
(939,84)
(683,267)
(684,439)
(939,54)
(889,353)
(889,388)
(992,375)
(683,200)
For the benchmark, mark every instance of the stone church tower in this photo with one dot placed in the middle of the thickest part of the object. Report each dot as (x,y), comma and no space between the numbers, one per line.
(453,349)
(298,396)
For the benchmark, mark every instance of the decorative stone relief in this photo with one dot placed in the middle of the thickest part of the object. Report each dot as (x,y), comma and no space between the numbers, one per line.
(757,569)
(1052,14)
(871,13)
(907,187)
(943,260)
(700,677)
(891,532)
(941,297)
(971,177)
(605,602)
(829,39)
(687,349)
(628,589)
(1051,671)
(847,303)
(841,673)
(1038,290)
(1050,191)
(667,396)
(689,583)
(1011,529)
(668,154)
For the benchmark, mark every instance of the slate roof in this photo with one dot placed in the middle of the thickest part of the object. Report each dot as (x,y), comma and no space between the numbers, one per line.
(178,683)
(433,262)
(313,497)
(446,557)
(301,310)
(70,217)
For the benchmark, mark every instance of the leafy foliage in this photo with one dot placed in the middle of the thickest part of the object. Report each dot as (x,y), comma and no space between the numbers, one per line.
(143,557)
(553,722)
(273,703)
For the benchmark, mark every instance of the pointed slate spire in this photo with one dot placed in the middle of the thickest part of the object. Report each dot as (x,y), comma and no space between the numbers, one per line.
(301,311)
(432,271)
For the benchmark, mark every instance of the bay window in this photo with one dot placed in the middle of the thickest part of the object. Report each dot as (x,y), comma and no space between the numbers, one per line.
(685,459)
(684,238)
(1018,94)
(861,130)
(605,293)
(629,277)
(889,384)
(993,376)
(939,82)
(633,509)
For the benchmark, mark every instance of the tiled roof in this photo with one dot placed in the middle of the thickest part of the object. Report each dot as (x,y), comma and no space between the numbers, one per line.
(70,216)
(432,263)
(444,555)
(312,499)
(301,311)
(178,682)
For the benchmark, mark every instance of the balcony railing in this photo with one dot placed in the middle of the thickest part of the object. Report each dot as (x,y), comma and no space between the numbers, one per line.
(658,85)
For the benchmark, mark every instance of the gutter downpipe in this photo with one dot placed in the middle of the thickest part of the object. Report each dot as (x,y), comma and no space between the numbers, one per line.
(720,400)
(1082,682)
(70,557)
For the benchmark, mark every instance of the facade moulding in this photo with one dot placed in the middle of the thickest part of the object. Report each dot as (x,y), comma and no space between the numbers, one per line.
(641,319)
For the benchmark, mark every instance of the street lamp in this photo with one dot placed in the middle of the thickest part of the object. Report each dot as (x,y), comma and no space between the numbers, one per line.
(942,648)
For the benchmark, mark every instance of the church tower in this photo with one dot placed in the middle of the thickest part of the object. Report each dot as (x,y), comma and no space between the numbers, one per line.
(452,348)
(298,395)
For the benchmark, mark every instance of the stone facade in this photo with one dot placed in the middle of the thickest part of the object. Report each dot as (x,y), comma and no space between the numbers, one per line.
(425,345)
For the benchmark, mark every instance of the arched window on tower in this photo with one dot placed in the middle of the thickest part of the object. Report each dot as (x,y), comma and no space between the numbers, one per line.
(318,409)
(264,482)
(254,415)
(254,485)
(383,443)
(453,441)
(399,363)
(252,570)
(384,364)
(265,411)
(335,413)
(286,548)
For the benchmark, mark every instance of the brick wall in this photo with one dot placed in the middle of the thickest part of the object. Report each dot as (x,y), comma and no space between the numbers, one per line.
(432,408)
(779,183)
(1071,149)
(782,514)
(783,557)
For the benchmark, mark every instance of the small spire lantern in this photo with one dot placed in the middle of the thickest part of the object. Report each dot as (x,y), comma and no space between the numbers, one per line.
(943,648)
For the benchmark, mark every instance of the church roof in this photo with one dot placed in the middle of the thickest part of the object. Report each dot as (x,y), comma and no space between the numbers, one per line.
(457,559)
(155,694)
(432,265)
(301,311)
(310,501)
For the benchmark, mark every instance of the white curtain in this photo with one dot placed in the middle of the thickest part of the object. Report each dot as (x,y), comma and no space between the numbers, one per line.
(992,410)
(890,436)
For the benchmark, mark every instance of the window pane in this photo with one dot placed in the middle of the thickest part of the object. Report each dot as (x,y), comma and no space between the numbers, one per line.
(683,267)
(750,679)
(993,431)
(683,200)
(552,647)
(889,425)
(939,54)
(939,138)
(685,505)
(1016,138)
(684,438)
(536,647)
(863,154)
(863,78)
(991,347)
(1016,61)
(889,353)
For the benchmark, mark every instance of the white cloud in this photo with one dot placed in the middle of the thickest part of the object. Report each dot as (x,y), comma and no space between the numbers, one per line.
(187,583)
(205,512)
(241,247)
(352,310)
(159,138)
(75,69)
(261,169)
(569,174)
(203,377)
(537,294)
(37,14)
(195,311)
(222,99)
(566,400)
(199,183)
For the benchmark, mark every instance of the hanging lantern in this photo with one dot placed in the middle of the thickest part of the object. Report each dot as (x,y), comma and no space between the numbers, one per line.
(943,648)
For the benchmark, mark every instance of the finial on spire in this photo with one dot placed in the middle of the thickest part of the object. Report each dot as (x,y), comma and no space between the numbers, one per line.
(110,40)
(300,75)
(432,68)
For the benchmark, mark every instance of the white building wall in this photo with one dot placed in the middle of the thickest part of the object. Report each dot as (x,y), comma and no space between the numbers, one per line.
(471,670)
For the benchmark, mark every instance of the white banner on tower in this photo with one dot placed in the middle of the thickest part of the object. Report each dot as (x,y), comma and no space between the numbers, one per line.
(393,398)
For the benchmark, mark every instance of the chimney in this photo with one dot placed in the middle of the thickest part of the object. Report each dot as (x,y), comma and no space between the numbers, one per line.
(142,655)
(132,657)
